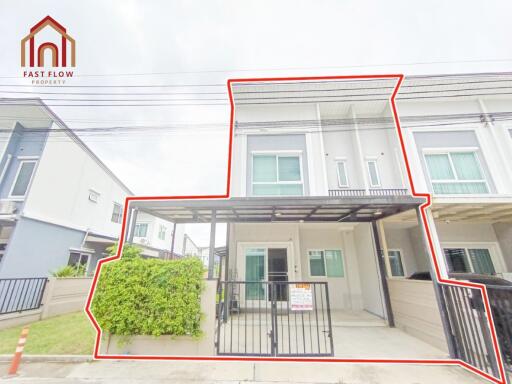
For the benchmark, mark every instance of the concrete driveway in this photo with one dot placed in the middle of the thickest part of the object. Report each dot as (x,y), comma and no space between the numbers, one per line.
(135,372)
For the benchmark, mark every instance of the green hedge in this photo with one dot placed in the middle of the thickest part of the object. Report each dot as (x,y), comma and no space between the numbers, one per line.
(150,297)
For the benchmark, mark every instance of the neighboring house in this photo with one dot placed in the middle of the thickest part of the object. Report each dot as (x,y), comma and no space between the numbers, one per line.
(156,237)
(59,204)
(319,193)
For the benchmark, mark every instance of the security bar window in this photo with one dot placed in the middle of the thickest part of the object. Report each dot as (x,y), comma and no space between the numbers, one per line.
(341,168)
(469,260)
(456,173)
(326,263)
(277,175)
(373,173)
(117,213)
(141,230)
(23,177)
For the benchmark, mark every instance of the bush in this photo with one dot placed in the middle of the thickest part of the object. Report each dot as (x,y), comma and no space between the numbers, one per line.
(129,251)
(156,297)
(70,271)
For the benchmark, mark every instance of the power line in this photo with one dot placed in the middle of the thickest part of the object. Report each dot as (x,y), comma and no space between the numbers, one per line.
(287,68)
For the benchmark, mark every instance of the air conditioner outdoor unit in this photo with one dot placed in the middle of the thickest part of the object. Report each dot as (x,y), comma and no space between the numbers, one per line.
(7,207)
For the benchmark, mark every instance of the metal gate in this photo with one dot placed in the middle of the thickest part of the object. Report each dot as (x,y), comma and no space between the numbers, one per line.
(273,318)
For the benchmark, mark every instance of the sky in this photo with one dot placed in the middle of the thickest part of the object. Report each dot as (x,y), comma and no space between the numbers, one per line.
(183,149)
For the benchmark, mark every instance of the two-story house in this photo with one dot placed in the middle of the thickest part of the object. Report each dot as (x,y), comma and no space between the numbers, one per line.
(322,225)
(59,204)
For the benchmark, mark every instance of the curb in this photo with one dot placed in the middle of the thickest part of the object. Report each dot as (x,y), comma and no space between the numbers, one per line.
(50,358)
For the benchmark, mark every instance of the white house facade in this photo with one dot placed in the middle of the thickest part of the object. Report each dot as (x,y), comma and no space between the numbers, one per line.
(59,204)
(322,221)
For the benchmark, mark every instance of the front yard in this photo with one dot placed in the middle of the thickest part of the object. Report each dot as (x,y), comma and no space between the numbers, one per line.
(70,334)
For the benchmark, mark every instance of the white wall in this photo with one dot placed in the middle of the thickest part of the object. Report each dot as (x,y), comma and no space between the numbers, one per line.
(370,277)
(60,189)
(152,239)
(345,293)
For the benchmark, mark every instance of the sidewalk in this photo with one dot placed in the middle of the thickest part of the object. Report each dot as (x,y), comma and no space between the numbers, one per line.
(155,372)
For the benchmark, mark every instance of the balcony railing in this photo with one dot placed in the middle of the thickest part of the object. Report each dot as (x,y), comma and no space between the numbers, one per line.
(370,192)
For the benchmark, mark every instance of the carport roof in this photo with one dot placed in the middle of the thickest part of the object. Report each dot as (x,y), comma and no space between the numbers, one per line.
(278,209)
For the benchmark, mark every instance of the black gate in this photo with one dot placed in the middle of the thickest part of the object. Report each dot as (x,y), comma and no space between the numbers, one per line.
(274,318)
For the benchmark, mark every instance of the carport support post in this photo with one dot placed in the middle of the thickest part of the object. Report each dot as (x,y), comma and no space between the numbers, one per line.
(441,302)
(173,240)
(382,273)
(226,275)
(211,254)
(132,220)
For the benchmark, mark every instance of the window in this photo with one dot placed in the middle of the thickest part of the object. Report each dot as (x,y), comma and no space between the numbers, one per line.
(23,177)
(2,251)
(341,168)
(395,262)
(276,175)
(373,173)
(117,213)
(456,173)
(78,260)
(469,260)
(326,263)
(141,230)
(162,232)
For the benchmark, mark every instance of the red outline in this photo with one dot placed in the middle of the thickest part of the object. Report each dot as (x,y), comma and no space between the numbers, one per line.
(423,207)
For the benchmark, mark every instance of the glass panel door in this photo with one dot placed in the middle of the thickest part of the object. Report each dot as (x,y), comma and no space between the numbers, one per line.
(457,260)
(278,271)
(254,273)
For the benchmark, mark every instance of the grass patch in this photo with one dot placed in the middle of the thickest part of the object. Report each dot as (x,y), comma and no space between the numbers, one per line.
(70,334)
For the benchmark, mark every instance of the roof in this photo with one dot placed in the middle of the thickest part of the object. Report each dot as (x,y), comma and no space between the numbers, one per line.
(279,209)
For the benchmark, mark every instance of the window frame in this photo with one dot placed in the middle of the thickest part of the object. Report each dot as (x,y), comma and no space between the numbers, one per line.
(82,254)
(278,154)
(135,229)
(400,252)
(455,180)
(23,160)
(323,250)
(337,162)
(160,226)
(115,204)
(493,248)
(377,172)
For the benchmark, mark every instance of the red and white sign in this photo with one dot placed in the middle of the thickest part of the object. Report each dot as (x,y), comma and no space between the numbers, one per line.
(301,297)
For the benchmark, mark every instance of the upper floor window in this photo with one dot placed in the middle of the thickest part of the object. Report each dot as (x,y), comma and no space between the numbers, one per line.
(141,230)
(117,213)
(456,173)
(277,174)
(341,169)
(23,177)
(162,232)
(373,173)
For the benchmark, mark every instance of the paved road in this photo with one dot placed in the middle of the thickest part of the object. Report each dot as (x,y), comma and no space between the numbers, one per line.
(157,372)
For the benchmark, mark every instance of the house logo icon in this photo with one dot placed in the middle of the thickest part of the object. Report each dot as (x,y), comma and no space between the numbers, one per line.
(62,48)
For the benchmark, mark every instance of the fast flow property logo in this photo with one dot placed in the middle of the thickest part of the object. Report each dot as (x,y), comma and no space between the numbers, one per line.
(48,45)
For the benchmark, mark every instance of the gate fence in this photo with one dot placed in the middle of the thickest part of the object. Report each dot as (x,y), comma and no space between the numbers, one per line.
(469,329)
(500,298)
(21,294)
(274,318)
